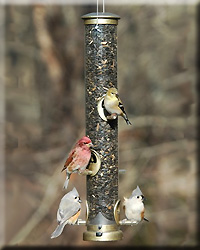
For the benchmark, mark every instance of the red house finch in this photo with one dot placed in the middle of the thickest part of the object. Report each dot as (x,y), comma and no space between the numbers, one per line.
(78,159)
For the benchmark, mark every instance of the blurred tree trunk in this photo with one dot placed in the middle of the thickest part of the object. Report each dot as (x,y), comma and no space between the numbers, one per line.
(53,36)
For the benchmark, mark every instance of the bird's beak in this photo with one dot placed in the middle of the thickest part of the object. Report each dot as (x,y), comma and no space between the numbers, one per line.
(143,198)
(80,201)
(117,95)
(90,145)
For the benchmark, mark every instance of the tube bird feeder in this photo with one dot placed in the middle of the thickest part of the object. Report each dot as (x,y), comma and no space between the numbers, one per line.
(100,75)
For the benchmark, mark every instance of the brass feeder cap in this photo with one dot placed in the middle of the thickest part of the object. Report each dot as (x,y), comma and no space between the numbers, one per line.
(101,18)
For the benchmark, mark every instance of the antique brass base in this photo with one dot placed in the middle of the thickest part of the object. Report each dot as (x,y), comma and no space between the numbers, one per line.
(102,233)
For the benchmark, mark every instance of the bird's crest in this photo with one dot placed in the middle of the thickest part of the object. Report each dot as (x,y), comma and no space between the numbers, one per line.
(136,192)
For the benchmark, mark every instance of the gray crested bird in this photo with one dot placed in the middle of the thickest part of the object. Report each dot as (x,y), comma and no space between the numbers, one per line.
(68,211)
(134,206)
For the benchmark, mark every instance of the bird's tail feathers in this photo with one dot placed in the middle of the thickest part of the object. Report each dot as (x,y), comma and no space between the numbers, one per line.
(124,114)
(128,122)
(126,119)
(58,230)
(66,181)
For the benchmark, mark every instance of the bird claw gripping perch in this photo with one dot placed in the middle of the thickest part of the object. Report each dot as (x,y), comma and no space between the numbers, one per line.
(126,222)
(112,116)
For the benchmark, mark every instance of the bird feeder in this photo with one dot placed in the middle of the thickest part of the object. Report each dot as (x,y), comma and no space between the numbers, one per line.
(101,74)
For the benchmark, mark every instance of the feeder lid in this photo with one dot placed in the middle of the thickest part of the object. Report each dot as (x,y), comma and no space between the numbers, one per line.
(106,15)
(101,18)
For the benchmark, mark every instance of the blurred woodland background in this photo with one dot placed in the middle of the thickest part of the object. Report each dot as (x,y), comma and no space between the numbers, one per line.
(45,115)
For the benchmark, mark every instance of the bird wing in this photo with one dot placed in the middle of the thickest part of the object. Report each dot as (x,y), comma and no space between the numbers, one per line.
(69,159)
(121,106)
(74,218)
(68,209)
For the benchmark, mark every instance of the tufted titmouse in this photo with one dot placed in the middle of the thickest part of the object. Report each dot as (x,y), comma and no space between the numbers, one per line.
(134,206)
(68,211)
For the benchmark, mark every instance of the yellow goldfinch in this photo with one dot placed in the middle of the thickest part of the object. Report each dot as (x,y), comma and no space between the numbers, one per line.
(114,106)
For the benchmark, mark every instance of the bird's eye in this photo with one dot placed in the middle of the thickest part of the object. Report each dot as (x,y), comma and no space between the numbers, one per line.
(76,198)
(138,197)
